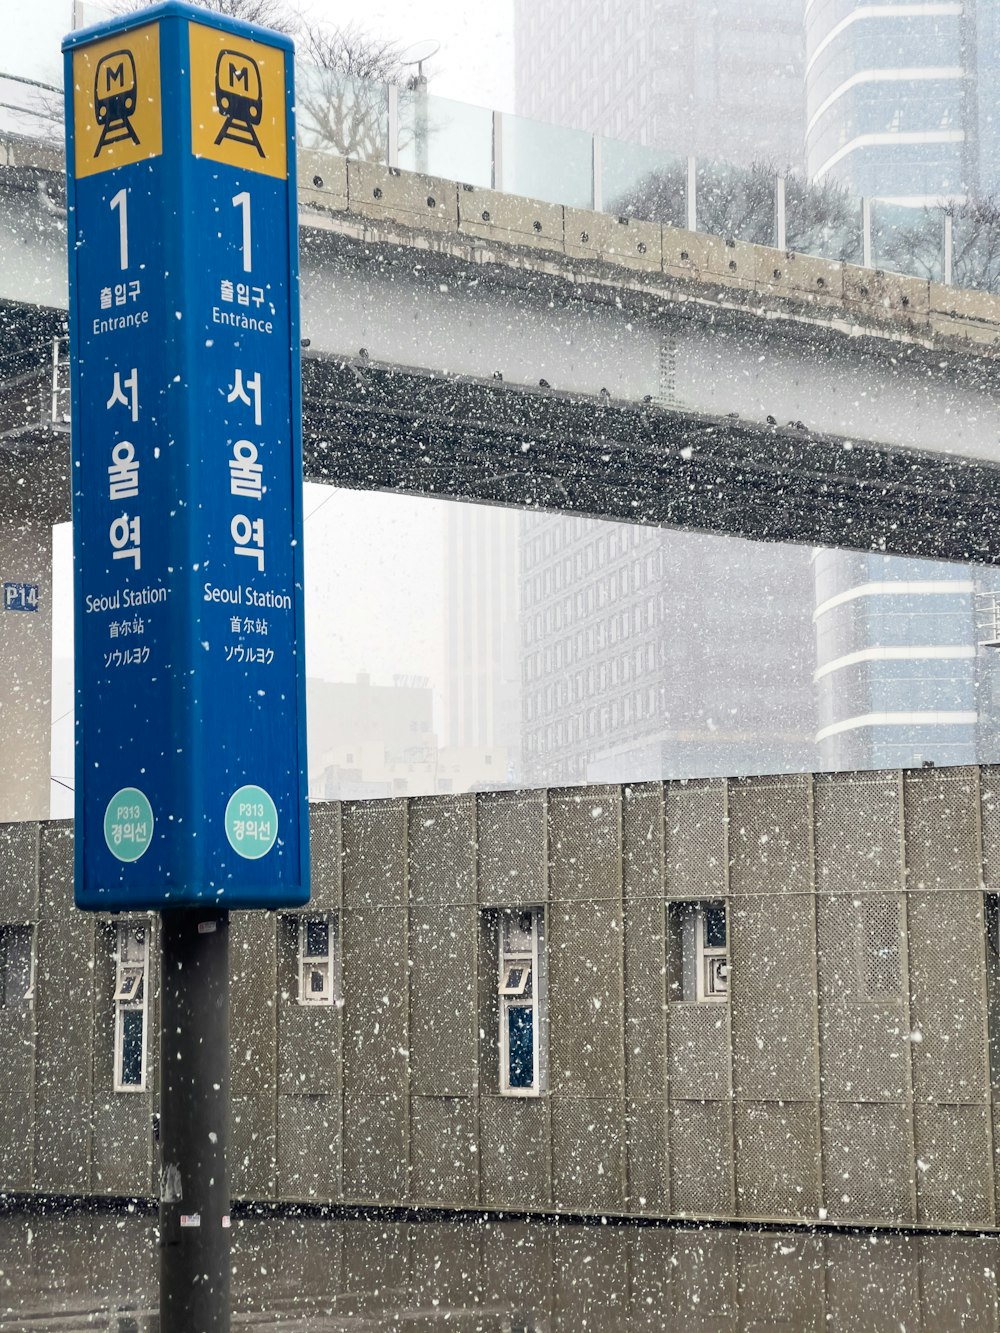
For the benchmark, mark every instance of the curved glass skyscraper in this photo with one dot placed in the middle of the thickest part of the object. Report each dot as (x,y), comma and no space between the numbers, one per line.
(896,676)
(901,97)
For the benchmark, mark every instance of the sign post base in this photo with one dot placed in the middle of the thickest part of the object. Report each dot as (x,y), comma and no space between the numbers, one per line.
(194,1121)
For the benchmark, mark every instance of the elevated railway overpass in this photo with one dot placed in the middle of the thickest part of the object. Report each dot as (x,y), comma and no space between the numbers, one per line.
(464,343)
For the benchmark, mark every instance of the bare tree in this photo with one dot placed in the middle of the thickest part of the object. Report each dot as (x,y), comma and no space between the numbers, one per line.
(976,244)
(908,240)
(822,218)
(825,219)
(739,204)
(735,202)
(342,100)
(911,240)
(350,50)
(658,197)
(341,75)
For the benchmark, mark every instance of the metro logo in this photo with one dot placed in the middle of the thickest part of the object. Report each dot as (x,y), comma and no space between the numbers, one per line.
(238,98)
(115,74)
(237,101)
(115,99)
(116,104)
(241,74)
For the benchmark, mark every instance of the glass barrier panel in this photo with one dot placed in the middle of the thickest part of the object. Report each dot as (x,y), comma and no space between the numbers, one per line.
(642,182)
(338,114)
(736,202)
(908,240)
(976,246)
(822,219)
(547,162)
(445,138)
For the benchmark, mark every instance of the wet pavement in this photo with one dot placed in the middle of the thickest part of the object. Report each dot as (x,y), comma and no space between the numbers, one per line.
(97,1270)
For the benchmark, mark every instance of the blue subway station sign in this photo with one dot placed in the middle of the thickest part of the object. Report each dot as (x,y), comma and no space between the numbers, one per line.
(187,467)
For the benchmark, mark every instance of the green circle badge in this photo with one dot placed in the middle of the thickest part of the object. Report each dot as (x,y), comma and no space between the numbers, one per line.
(128,824)
(251,822)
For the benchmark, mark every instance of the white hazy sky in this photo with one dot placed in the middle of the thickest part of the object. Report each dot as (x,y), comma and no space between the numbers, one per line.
(475,63)
(374,600)
(476,60)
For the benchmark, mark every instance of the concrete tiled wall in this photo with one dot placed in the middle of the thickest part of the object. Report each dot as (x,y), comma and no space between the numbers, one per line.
(820,1090)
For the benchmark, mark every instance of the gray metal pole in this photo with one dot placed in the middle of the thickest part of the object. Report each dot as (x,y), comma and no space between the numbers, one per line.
(194,1121)
(692,194)
(392,150)
(421,123)
(498,150)
(780,228)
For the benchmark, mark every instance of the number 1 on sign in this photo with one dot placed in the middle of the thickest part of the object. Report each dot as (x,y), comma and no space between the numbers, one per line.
(243,201)
(120,201)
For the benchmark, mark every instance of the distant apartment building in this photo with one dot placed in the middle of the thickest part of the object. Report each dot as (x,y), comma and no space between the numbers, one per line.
(368,740)
(649,653)
(723,80)
(902,98)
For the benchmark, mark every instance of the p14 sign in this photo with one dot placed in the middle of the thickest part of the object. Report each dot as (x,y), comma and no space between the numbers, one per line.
(187,490)
(20,596)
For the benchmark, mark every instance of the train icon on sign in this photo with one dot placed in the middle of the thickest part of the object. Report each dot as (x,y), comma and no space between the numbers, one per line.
(115,98)
(238,98)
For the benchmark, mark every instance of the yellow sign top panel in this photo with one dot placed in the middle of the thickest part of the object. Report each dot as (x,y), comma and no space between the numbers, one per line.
(116,100)
(238,101)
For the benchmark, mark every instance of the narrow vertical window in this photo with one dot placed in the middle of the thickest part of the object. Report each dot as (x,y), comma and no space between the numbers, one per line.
(521,992)
(318,971)
(131,969)
(698,951)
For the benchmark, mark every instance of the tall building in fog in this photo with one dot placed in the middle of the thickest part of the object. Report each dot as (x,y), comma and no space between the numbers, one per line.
(901,99)
(482,676)
(649,653)
(721,79)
